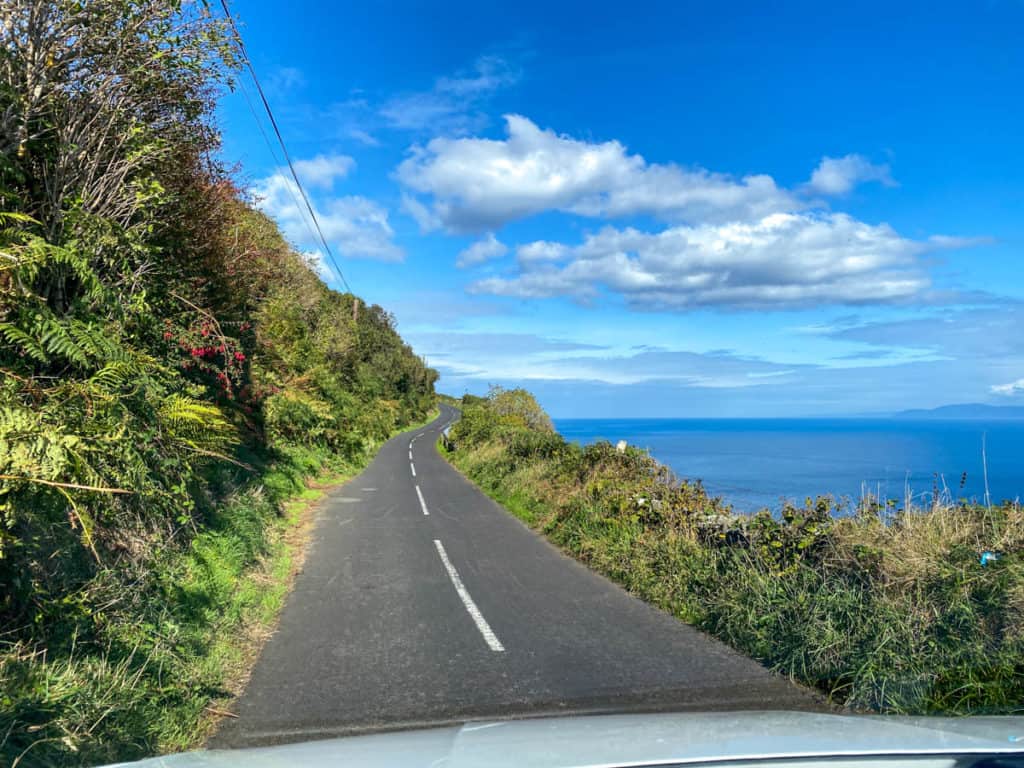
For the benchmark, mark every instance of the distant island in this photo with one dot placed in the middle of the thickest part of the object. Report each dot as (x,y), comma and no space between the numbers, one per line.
(964,411)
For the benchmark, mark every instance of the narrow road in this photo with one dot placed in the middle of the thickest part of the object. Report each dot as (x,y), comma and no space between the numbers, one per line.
(423,602)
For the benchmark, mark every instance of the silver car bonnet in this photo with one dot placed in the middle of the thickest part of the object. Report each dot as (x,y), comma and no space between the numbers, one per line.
(599,741)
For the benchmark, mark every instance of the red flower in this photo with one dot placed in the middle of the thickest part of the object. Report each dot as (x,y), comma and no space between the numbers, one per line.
(168,335)
(239,356)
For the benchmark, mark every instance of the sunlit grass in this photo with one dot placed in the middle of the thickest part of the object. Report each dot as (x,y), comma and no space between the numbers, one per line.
(887,609)
(169,647)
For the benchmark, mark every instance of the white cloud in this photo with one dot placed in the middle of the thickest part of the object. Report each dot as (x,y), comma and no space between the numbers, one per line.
(360,227)
(466,346)
(450,106)
(733,242)
(363,137)
(355,226)
(285,80)
(489,74)
(321,171)
(1011,389)
(839,175)
(981,333)
(542,250)
(423,216)
(318,261)
(506,357)
(779,261)
(484,249)
(946,241)
(417,111)
(693,389)
(480,184)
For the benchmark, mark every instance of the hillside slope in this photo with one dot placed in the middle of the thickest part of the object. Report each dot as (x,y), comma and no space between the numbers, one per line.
(890,609)
(170,371)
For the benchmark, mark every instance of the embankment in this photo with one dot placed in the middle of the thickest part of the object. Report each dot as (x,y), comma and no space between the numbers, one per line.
(889,610)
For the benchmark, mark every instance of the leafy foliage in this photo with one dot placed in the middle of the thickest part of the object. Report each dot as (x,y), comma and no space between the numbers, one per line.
(885,609)
(163,352)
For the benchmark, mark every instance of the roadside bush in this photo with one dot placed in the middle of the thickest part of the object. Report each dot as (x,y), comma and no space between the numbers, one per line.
(171,369)
(296,417)
(886,609)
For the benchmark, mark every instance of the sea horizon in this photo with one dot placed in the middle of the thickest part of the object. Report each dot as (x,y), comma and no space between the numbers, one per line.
(758,462)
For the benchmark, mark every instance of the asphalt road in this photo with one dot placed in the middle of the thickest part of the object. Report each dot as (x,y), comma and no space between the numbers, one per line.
(423,602)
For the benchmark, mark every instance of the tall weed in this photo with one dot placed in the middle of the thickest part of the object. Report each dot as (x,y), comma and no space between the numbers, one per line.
(886,609)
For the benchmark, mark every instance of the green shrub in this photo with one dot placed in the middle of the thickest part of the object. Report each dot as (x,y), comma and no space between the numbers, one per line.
(884,610)
(296,417)
(170,371)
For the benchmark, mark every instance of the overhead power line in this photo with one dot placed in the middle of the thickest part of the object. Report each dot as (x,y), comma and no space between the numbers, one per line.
(280,140)
(279,162)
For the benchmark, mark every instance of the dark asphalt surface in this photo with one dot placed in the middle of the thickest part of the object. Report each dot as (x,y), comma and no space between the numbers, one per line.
(376,635)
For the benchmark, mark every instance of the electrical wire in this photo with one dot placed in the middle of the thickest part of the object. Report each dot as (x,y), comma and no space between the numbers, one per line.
(273,153)
(280,140)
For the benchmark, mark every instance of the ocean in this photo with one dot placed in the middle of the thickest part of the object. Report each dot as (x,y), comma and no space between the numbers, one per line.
(756,463)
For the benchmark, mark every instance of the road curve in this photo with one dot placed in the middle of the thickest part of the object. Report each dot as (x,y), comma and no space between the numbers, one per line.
(423,602)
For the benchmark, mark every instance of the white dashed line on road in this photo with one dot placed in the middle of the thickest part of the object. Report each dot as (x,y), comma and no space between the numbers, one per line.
(412,468)
(474,612)
(423,504)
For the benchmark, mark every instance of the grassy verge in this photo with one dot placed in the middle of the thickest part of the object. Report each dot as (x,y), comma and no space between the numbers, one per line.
(886,609)
(170,645)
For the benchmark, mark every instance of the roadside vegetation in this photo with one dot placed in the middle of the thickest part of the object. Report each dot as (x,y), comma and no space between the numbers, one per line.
(883,608)
(171,372)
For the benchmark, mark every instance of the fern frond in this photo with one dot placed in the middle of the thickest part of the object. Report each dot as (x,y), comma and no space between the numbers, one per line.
(115,376)
(7,217)
(195,423)
(24,341)
(54,337)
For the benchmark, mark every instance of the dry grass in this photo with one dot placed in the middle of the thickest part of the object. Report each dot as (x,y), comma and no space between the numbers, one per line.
(887,610)
(914,544)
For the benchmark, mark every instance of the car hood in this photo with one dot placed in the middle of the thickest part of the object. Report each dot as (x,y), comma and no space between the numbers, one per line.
(621,740)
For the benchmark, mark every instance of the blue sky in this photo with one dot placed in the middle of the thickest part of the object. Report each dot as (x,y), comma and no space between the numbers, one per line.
(664,209)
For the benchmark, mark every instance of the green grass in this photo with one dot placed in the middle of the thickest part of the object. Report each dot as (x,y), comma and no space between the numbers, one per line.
(149,658)
(159,657)
(886,610)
